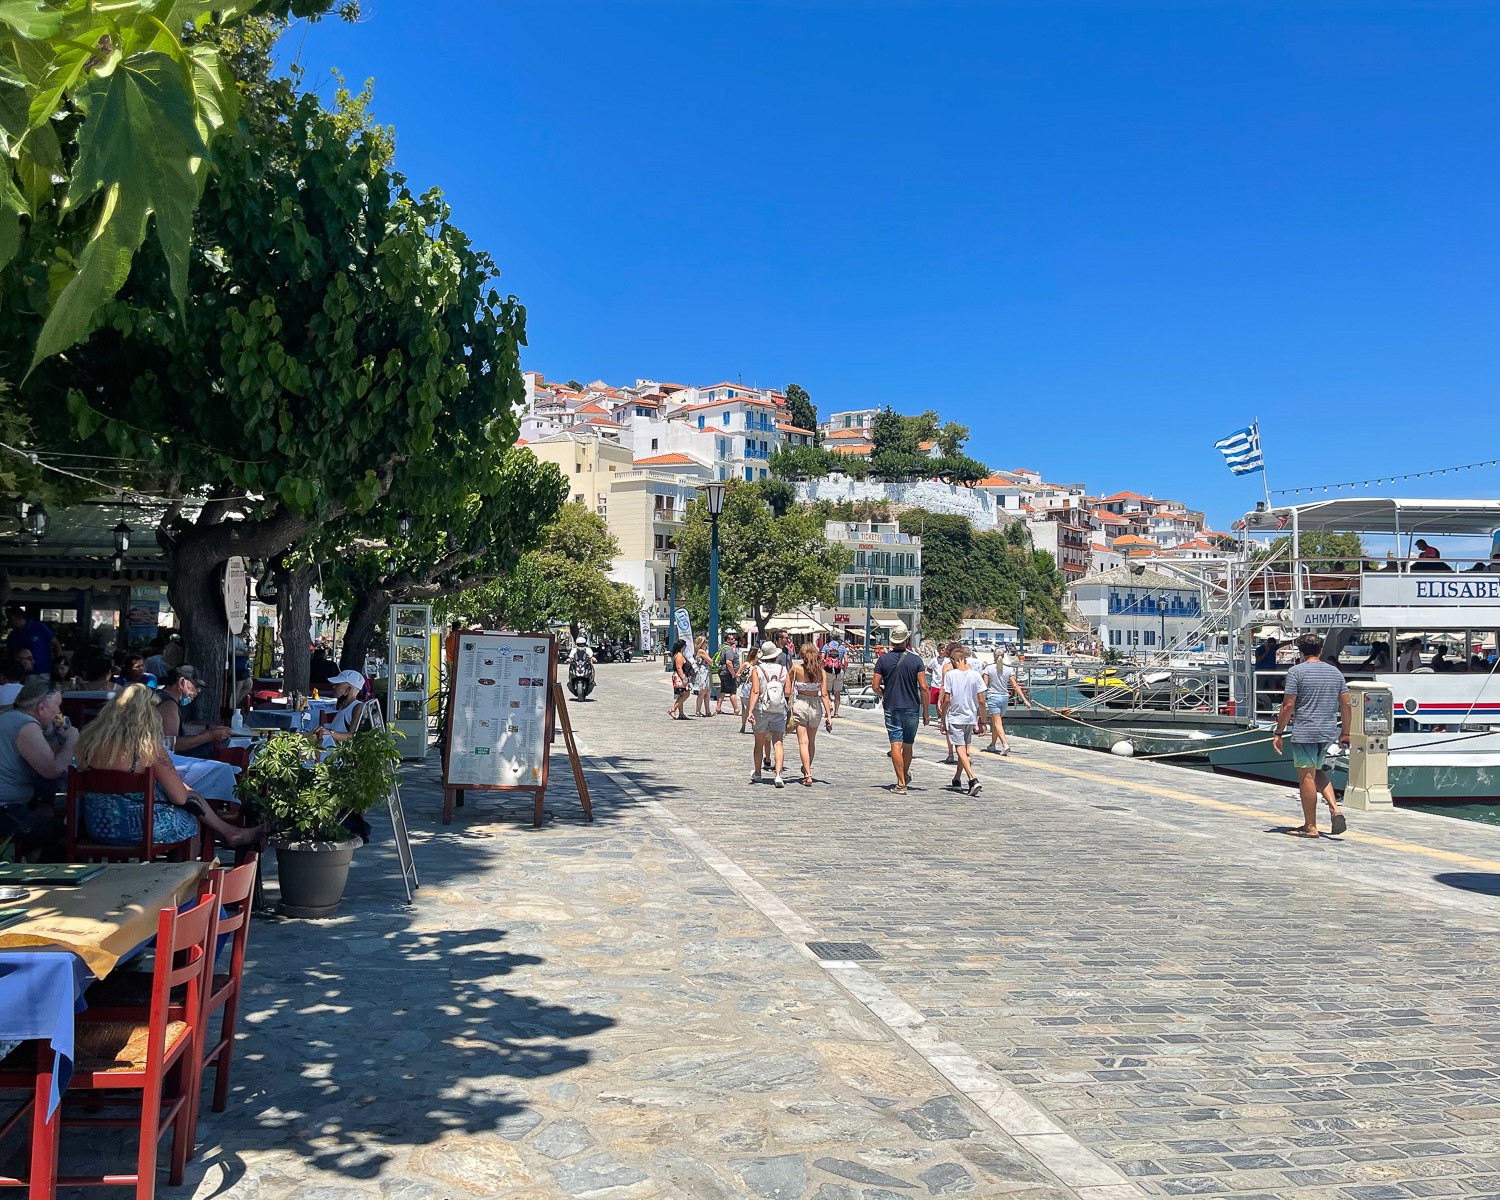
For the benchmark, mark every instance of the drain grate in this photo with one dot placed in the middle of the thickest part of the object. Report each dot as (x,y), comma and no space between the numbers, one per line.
(844,951)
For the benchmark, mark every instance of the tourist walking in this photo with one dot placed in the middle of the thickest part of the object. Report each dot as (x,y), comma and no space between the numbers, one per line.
(768,702)
(682,678)
(1316,709)
(1000,682)
(747,668)
(936,665)
(961,707)
(703,668)
(729,671)
(901,683)
(810,706)
(835,659)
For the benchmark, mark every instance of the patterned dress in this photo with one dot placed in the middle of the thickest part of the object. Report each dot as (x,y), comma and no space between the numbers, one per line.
(119,820)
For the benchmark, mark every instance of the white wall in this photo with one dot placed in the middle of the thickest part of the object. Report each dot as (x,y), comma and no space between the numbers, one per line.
(977,506)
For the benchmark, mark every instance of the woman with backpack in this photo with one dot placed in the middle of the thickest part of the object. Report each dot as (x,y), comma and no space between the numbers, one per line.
(768,705)
(682,674)
(810,706)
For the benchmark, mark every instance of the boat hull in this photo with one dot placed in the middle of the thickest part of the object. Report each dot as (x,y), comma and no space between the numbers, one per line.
(1426,768)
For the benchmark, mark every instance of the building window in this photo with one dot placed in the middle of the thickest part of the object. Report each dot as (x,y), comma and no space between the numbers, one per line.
(763,472)
(577,497)
(749,474)
(726,419)
(655,444)
(578,468)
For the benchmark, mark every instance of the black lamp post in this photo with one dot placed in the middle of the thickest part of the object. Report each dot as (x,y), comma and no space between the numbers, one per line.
(714,494)
(122,537)
(37,520)
(403,524)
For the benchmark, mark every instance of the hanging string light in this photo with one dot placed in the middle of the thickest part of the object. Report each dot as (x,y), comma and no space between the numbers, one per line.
(1383,480)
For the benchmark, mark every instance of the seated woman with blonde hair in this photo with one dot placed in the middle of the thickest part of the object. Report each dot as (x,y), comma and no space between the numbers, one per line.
(127,736)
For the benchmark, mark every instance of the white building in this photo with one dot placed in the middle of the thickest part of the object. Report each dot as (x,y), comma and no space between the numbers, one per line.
(745,431)
(887,568)
(1140,611)
(861,419)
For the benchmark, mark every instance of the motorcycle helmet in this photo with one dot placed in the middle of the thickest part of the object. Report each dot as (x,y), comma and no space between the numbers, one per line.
(580,641)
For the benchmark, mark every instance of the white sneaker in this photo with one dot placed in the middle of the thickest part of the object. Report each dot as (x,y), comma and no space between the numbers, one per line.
(779,782)
(1005,751)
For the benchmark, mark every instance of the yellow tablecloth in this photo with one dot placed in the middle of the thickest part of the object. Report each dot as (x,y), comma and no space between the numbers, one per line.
(108,916)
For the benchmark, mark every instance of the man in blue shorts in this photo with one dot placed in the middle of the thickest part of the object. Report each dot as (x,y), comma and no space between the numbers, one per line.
(1316,707)
(901,683)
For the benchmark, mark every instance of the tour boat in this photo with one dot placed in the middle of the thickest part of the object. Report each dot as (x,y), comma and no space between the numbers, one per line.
(1446,740)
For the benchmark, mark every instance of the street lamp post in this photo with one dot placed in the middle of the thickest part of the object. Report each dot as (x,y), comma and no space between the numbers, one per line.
(714,494)
(1021,623)
(672,600)
(869,594)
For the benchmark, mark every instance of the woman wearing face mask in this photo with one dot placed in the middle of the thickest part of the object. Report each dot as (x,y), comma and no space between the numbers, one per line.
(192,739)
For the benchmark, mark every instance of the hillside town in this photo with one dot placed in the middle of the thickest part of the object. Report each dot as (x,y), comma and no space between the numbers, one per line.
(637,456)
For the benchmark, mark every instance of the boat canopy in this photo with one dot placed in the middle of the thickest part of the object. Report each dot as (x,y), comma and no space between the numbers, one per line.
(1382,514)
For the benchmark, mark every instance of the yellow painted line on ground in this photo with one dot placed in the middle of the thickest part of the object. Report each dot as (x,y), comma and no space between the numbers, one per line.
(1373,839)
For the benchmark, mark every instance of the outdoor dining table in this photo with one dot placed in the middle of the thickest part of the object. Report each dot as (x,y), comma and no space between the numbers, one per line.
(70,936)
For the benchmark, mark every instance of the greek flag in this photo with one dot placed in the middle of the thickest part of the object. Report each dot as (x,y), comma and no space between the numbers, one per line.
(1241,450)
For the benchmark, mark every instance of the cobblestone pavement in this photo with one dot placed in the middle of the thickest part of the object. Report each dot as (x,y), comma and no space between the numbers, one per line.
(1100,979)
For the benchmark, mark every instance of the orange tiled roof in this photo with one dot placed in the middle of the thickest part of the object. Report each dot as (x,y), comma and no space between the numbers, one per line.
(852,451)
(668,460)
(1129,539)
(786,428)
(755,400)
(847,435)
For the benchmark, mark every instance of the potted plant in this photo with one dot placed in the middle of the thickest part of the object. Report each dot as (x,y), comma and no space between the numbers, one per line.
(310,803)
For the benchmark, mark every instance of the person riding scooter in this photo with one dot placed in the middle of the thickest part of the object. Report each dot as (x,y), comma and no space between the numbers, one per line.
(581,669)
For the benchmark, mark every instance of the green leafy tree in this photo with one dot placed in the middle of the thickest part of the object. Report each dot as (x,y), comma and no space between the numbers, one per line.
(110,115)
(337,335)
(952,438)
(778,495)
(564,581)
(965,570)
(800,406)
(958,468)
(768,562)
(801,462)
(892,435)
(452,547)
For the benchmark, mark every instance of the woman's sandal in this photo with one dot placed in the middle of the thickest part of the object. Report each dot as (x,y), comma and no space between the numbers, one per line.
(1303,833)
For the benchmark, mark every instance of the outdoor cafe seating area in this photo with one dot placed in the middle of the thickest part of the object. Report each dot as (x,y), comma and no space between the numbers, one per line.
(120,978)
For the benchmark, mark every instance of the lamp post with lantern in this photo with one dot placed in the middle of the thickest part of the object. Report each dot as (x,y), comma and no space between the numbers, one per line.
(672,554)
(713,493)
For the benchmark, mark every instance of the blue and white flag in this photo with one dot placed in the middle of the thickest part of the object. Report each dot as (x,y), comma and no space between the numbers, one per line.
(1241,450)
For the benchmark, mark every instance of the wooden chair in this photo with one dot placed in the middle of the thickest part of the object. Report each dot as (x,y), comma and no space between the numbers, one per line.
(125,783)
(234,889)
(155,1053)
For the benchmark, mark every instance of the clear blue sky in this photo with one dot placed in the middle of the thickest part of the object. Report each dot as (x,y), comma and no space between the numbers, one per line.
(1102,235)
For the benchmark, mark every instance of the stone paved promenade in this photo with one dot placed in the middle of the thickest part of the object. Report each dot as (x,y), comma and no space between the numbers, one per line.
(1101,979)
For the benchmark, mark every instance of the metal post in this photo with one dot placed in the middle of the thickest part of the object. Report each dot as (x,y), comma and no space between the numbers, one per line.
(1021,625)
(869,591)
(713,584)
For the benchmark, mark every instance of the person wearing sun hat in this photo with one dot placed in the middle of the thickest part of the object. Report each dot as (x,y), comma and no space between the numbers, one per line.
(768,706)
(342,724)
(901,683)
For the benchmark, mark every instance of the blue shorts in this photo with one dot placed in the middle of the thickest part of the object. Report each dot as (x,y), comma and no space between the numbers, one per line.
(1308,756)
(901,724)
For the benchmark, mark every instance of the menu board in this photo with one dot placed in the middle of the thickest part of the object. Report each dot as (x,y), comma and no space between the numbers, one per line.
(498,729)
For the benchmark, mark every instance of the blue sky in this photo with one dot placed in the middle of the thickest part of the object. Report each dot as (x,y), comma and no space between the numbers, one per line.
(1102,235)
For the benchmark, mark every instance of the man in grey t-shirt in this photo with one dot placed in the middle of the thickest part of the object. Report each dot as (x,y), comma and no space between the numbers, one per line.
(1316,707)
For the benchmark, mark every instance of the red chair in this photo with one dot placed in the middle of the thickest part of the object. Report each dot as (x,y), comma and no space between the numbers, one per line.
(154,1053)
(125,783)
(234,889)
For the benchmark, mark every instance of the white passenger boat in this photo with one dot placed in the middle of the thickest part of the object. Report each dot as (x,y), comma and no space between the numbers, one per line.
(1434,618)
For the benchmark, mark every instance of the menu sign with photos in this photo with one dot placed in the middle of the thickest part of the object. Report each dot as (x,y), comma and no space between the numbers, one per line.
(498,731)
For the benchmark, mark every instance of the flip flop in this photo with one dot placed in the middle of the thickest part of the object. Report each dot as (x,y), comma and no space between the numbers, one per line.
(1301,833)
(1339,824)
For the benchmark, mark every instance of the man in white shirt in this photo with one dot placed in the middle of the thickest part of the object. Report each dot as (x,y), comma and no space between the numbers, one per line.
(961,704)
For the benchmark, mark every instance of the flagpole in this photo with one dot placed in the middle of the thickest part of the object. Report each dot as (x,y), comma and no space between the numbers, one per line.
(1265,482)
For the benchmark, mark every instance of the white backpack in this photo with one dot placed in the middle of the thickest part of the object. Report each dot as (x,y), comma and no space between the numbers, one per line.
(772,690)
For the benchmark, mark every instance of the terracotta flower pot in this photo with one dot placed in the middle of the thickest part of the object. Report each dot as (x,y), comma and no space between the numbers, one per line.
(312,876)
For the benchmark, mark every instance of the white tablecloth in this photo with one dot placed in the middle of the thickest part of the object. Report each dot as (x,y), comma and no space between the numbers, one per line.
(210,778)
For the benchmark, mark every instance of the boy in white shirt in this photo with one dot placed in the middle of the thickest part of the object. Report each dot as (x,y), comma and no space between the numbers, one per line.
(962,707)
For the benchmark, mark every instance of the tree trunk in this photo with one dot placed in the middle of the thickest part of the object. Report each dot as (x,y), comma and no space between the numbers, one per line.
(195,589)
(294,617)
(368,610)
(198,600)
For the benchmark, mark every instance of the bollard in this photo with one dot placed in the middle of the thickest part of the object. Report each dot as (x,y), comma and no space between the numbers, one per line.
(1369,783)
